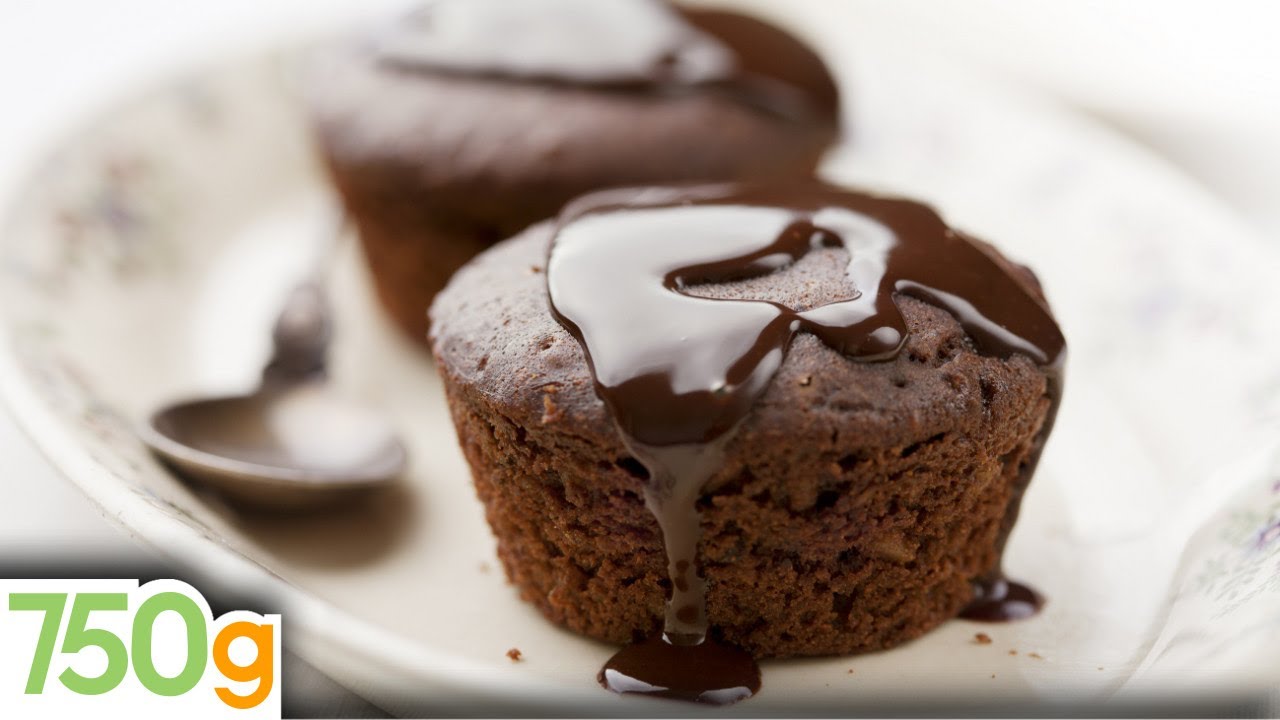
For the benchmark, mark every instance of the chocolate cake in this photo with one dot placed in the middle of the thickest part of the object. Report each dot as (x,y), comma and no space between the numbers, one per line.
(794,420)
(467,121)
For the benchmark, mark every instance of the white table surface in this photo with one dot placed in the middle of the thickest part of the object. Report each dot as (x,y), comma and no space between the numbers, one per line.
(1198,80)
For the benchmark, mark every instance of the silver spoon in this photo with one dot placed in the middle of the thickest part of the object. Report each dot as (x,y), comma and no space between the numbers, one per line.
(293,443)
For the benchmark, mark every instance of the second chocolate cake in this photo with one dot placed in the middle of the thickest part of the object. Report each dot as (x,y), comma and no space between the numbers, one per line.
(793,419)
(465,122)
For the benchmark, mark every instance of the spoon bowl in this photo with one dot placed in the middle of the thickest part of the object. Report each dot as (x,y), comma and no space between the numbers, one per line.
(295,446)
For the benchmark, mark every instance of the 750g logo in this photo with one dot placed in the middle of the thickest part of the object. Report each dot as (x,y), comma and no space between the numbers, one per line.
(154,650)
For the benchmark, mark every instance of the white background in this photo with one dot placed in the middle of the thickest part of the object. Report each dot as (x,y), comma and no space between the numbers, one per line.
(1198,80)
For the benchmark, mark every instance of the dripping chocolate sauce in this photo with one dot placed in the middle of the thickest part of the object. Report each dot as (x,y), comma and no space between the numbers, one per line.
(678,373)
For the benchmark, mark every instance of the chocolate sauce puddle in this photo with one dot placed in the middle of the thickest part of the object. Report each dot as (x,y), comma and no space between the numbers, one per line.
(708,672)
(999,599)
(678,373)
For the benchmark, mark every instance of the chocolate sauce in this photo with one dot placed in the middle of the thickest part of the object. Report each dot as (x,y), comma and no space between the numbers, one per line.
(999,599)
(634,45)
(678,373)
(708,672)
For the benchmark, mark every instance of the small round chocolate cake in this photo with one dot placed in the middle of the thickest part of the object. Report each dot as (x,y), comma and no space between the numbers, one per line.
(795,420)
(469,120)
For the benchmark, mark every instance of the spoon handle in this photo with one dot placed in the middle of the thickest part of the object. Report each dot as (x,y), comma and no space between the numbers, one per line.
(304,327)
(301,336)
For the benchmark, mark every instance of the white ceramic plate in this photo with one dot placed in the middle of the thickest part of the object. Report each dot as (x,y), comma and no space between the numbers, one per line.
(148,252)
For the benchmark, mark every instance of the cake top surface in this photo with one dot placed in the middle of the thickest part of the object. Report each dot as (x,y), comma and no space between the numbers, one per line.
(620,44)
(676,368)
(621,41)
(493,332)
(491,136)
